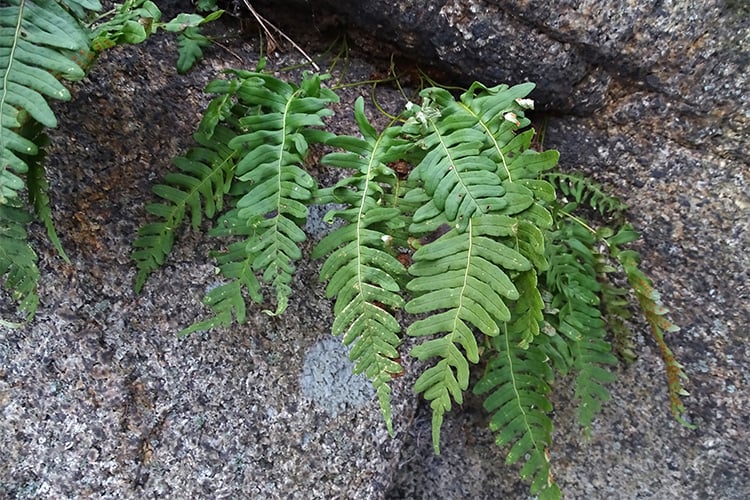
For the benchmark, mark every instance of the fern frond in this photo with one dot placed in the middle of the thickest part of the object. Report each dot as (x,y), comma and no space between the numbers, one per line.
(35,38)
(649,300)
(517,381)
(204,176)
(17,259)
(227,300)
(572,279)
(464,275)
(283,120)
(583,190)
(363,275)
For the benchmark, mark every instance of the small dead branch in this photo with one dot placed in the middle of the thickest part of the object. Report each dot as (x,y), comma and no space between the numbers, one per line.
(267,26)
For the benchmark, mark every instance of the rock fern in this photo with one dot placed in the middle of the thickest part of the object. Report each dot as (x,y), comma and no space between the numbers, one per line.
(448,221)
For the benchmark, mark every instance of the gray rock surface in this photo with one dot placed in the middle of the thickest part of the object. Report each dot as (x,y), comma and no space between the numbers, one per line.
(100,399)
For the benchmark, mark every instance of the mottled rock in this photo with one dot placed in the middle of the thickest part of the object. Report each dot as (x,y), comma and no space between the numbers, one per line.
(99,398)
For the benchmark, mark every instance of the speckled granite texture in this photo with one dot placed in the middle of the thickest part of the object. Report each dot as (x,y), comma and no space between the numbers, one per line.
(99,398)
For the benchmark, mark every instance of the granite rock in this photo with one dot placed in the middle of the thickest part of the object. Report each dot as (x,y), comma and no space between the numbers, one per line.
(99,398)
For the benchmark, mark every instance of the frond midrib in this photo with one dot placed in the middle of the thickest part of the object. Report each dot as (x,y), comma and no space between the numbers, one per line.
(6,78)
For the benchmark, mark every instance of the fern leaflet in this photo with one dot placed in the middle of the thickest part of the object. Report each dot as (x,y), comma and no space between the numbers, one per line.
(585,191)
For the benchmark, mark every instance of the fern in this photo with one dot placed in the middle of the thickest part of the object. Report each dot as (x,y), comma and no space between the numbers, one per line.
(464,275)
(655,313)
(572,278)
(476,175)
(501,265)
(190,40)
(517,381)
(37,39)
(616,308)
(363,275)
(277,143)
(204,176)
(42,43)
(254,138)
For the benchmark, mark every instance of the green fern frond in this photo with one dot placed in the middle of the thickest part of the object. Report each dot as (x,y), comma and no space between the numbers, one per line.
(254,137)
(204,176)
(517,381)
(17,259)
(282,123)
(363,275)
(583,190)
(462,281)
(131,22)
(228,300)
(35,38)
(572,279)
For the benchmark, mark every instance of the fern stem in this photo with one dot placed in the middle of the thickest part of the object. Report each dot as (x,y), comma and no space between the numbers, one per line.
(583,224)
(491,136)
(6,79)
